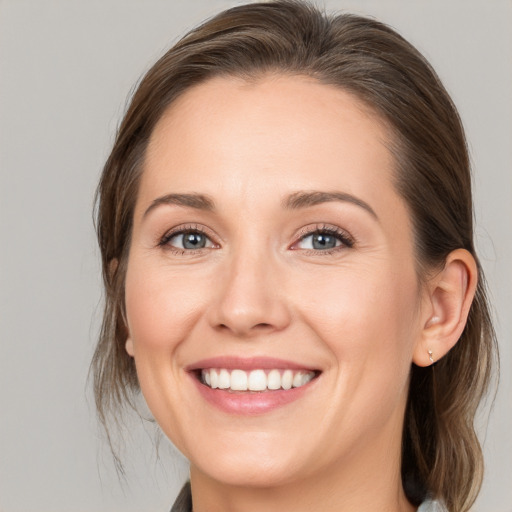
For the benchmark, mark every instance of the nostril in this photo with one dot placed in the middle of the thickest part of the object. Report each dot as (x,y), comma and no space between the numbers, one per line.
(260,326)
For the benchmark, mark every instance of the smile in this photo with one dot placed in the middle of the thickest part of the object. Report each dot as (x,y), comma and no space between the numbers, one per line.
(255,380)
(251,386)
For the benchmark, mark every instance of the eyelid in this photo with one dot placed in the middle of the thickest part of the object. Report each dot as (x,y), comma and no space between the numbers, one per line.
(163,240)
(347,240)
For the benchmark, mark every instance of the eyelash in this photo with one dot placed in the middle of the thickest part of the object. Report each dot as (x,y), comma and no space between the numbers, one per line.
(347,241)
(181,231)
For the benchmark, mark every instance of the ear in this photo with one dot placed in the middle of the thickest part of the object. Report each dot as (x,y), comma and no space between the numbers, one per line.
(450,293)
(112,267)
(129,346)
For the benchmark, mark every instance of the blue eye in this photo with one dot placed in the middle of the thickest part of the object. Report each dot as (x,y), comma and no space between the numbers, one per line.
(319,241)
(324,240)
(187,240)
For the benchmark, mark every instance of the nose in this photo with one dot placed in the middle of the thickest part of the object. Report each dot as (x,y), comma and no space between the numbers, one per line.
(251,299)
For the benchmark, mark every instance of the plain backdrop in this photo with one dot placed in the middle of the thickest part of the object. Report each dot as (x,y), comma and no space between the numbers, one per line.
(66,70)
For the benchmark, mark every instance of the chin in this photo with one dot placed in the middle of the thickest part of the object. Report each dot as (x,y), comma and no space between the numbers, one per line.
(255,467)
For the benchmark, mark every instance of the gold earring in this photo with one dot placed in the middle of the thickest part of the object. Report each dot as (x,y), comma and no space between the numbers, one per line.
(430,356)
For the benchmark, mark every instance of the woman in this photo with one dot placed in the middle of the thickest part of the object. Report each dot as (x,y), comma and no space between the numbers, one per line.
(285,223)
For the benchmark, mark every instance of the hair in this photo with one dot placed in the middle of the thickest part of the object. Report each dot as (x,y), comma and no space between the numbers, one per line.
(441,455)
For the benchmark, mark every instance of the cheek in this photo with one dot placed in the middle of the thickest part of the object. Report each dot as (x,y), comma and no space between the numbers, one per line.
(369,327)
(368,320)
(161,307)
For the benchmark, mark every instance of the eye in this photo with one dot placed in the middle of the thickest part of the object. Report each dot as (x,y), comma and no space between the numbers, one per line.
(186,240)
(320,241)
(324,239)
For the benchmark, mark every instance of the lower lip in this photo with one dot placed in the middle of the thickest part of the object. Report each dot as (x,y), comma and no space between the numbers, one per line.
(250,403)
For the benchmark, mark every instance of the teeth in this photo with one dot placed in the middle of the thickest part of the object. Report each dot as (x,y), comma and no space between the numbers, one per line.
(287,379)
(224,379)
(238,380)
(214,379)
(256,380)
(297,380)
(306,378)
(274,379)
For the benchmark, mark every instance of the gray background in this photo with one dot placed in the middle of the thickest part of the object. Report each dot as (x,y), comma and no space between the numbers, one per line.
(66,69)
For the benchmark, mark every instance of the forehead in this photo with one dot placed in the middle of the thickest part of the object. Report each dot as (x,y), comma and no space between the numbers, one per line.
(232,138)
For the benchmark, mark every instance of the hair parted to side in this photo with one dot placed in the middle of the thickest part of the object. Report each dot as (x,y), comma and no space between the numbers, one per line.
(441,455)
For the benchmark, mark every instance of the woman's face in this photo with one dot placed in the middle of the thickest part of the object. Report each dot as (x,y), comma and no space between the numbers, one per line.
(270,249)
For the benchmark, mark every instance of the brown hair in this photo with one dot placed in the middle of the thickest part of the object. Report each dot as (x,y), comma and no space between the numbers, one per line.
(441,455)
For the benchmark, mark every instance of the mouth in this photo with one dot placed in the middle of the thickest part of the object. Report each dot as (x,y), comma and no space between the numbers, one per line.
(258,380)
(251,386)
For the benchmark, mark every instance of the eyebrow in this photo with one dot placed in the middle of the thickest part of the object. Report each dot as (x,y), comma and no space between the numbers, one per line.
(295,201)
(193,200)
(305,199)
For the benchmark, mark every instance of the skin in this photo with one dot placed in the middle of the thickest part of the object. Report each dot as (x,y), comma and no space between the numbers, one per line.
(358,314)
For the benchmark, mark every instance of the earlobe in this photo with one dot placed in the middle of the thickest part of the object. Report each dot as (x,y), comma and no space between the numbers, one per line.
(451,292)
(112,267)
(129,346)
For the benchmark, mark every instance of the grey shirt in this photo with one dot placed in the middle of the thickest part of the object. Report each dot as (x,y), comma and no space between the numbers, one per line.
(431,506)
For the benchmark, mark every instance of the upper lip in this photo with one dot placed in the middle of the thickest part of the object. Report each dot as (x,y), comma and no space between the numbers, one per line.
(248,364)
